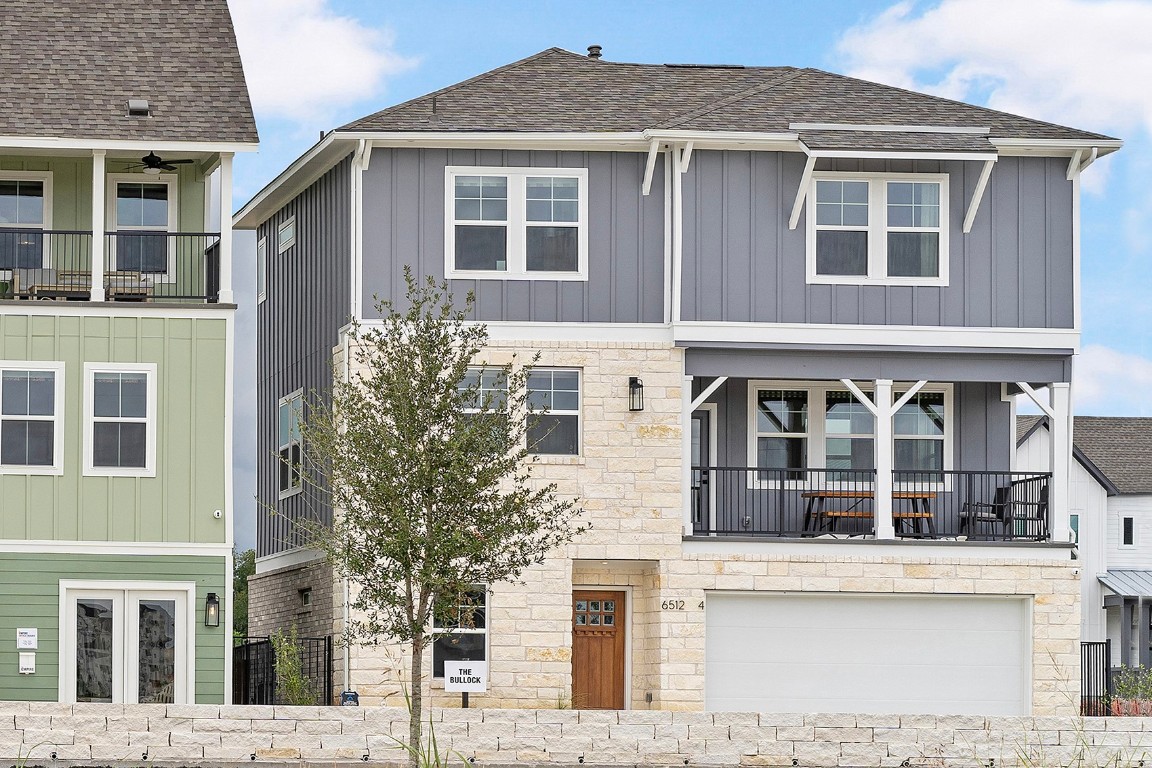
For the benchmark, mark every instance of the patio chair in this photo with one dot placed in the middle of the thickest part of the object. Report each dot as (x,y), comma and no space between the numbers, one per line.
(996,512)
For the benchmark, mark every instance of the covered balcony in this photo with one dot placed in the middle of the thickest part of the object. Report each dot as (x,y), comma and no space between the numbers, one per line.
(878,459)
(157,229)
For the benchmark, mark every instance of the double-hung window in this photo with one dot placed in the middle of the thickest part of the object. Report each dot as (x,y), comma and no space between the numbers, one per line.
(878,229)
(797,425)
(462,631)
(516,223)
(554,425)
(120,419)
(25,212)
(142,214)
(288,415)
(31,404)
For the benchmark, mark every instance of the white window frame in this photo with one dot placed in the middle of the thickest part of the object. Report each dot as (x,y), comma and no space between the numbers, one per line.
(149,468)
(578,413)
(123,594)
(297,396)
(283,243)
(471,631)
(44,177)
(172,181)
(261,270)
(878,229)
(516,224)
(57,467)
(817,432)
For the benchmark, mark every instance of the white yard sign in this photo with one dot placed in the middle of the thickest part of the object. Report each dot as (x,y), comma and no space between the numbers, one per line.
(465,676)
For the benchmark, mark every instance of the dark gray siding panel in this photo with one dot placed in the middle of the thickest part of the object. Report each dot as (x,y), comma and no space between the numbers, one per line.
(982,437)
(308,301)
(404,225)
(743,264)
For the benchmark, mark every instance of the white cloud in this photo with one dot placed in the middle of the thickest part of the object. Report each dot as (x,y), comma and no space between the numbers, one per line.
(1109,382)
(303,61)
(1084,63)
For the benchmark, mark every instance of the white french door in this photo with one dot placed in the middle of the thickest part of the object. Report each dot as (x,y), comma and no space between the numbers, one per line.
(126,645)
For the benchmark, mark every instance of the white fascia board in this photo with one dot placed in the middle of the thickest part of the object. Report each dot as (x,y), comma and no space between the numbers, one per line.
(115,145)
(55,547)
(687,333)
(116,309)
(289,559)
(740,140)
(895,154)
(593,332)
(913,551)
(1054,147)
(294,179)
(630,141)
(970,130)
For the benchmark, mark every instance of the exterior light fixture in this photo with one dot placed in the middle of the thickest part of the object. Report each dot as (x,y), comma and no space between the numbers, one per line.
(635,394)
(212,610)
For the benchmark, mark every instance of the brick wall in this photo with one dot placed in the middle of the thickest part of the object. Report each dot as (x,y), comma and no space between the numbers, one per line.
(177,734)
(274,600)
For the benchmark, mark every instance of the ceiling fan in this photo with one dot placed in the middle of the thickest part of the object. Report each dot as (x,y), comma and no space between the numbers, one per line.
(152,163)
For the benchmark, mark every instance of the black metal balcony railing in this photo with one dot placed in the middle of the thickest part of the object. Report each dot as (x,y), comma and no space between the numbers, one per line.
(162,266)
(138,266)
(974,506)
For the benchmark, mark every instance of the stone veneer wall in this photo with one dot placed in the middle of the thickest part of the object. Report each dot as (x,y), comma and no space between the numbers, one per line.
(274,600)
(177,734)
(628,481)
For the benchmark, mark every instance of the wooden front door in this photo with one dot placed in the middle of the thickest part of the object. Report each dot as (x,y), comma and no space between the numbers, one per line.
(598,626)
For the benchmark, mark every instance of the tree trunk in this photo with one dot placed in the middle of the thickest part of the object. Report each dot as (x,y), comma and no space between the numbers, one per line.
(416,709)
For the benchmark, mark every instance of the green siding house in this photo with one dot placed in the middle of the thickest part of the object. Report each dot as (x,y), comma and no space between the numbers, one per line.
(116,341)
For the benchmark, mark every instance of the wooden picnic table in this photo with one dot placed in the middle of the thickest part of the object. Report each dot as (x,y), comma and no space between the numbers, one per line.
(915,522)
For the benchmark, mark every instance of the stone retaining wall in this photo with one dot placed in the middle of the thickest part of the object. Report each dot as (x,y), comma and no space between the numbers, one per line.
(182,734)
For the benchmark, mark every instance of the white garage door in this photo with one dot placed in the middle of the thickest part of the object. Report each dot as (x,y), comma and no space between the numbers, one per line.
(862,653)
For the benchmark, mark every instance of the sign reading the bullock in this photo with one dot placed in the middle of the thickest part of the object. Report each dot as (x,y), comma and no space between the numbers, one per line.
(465,676)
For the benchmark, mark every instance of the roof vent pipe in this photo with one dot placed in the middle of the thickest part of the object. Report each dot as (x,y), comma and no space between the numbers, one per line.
(594,51)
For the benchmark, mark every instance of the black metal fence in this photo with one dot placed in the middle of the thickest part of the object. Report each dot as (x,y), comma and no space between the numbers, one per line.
(162,266)
(983,506)
(1095,679)
(254,670)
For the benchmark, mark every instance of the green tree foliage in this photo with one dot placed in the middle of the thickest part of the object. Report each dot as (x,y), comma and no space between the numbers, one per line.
(432,500)
(244,565)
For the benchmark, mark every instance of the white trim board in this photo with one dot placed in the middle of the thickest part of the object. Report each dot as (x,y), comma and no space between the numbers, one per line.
(687,333)
(133,548)
(117,309)
(289,559)
(910,551)
(131,145)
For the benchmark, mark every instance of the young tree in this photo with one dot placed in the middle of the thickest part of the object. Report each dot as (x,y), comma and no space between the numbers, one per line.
(243,567)
(429,475)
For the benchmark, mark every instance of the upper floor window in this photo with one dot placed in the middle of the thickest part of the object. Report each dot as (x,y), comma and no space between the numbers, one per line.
(288,416)
(142,214)
(30,418)
(286,234)
(878,228)
(120,419)
(25,211)
(516,223)
(261,270)
(1128,532)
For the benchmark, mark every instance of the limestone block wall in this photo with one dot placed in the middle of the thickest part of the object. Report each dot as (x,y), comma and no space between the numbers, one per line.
(177,734)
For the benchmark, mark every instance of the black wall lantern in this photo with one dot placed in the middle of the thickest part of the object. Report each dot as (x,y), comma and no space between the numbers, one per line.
(212,610)
(635,394)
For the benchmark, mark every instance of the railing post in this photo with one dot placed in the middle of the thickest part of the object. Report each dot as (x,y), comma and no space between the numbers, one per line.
(97,289)
(226,228)
(885,529)
(686,452)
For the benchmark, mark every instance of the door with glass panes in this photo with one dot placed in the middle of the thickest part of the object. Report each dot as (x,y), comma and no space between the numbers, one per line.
(125,646)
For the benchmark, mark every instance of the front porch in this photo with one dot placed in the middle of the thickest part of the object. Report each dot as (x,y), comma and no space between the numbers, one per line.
(870,458)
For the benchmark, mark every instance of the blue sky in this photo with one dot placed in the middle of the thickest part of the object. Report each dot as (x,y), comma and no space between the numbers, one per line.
(313,65)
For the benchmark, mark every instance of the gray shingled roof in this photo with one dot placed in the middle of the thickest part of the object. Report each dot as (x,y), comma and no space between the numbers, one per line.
(557,90)
(1119,446)
(68,68)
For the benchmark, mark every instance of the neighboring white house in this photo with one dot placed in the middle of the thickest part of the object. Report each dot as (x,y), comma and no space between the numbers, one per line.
(1111,516)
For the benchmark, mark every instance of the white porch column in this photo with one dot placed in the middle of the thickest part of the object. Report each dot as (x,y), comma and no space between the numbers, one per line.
(226,228)
(885,529)
(1059,491)
(686,452)
(97,250)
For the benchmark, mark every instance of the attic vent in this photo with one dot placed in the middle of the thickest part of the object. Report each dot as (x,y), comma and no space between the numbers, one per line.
(138,108)
(594,51)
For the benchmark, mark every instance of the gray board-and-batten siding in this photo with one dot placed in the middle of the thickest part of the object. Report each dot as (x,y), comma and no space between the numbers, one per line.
(741,261)
(308,301)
